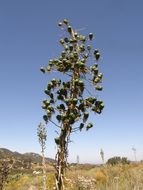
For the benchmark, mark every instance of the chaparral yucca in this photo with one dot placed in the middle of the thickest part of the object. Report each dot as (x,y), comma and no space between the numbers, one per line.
(73,97)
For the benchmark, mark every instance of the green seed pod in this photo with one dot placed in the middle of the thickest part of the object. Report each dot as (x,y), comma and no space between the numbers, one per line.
(48,112)
(82,38)
(48,68)
(89,47)
(81,65)
(61,41)
(66,84)
(96,80)
(82,48)
(45,117)
(62,106)
(53,80)
(44,106)
(100,75)
(66,48)
(82,107)
(75,35)
(90,100)
(51,95)
(58,107)
(66,40)
(58,83)
(51,60)
(59,117)
(63,54)
(94,99)
(50,108)
(60,24)
(72,115)
(52,101)
(69,29)
(62,91)
(90,125)
(50,64)
(99,88)
(81,126)
(50,86)
(46,102)
(60,97)
(99,106)
(57,141)
(95,71)
(42,69)
(93,68)
(97,110)
(85,116)
(93,108)
(95,51)
(46,91)
(65,21)
(83,60)
(71,56)
(91,36)
(70,47)
(49,115)
(102,105)
(67,101)
(97,56)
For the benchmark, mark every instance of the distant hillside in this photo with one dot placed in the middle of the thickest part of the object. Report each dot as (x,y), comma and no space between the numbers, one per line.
(23,161)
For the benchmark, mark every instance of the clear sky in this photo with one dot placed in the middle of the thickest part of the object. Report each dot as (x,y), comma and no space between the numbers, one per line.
(28,39)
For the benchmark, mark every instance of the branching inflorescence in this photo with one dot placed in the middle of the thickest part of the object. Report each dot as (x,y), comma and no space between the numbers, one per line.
(73,99)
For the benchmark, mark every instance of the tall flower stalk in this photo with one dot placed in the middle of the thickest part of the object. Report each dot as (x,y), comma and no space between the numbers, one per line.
(72,97)
(41,132)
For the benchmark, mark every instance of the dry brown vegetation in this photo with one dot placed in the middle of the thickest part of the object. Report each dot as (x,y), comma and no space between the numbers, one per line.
(83,177)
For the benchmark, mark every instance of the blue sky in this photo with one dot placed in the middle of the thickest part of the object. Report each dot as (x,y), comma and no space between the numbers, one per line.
(28,39)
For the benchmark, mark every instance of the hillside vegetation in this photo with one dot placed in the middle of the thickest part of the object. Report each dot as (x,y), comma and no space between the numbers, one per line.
(79,176)
(26,162)
(85,177)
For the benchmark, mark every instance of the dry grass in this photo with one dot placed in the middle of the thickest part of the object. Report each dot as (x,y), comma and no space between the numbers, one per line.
(118,177)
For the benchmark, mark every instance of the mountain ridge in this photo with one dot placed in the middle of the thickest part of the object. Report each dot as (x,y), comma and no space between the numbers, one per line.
(32,157)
